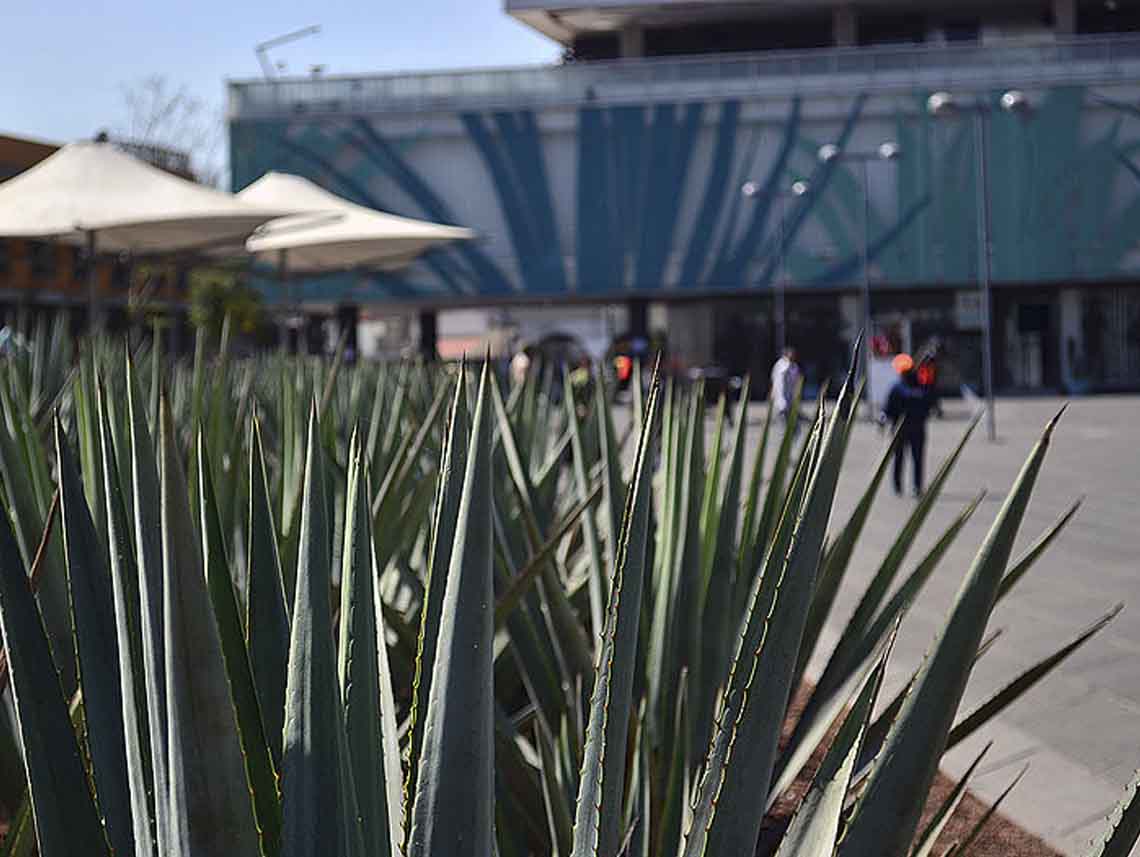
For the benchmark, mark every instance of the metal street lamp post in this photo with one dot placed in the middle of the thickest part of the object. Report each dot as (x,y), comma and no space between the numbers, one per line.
(886,151)
(944,104)
(798,188)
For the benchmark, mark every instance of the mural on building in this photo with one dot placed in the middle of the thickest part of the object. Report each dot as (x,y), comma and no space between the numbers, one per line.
(654,202)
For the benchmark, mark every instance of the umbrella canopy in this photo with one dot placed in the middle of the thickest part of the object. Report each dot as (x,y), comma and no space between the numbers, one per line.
(335,234)
(129,205)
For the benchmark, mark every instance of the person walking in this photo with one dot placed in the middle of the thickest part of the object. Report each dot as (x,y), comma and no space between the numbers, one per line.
(908,406)
(785,378)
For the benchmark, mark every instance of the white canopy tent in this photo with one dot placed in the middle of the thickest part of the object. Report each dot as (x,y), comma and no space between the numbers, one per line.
(95,190)
(92,193)
(335,234)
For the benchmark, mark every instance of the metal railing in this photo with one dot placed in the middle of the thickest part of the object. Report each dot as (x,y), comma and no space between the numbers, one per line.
(1045,59)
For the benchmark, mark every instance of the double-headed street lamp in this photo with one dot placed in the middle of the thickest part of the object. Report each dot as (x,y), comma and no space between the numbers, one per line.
(798,188)
(944,104)
(888,150)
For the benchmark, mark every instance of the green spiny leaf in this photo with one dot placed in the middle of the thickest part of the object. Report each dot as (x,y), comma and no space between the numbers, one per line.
(454,815)
(93,615)
(889,810)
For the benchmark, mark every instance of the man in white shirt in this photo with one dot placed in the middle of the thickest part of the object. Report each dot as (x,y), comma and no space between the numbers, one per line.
(785,378)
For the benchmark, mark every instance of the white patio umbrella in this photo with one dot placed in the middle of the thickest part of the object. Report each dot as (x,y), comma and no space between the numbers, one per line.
(335,234)
(94,194)
(129,205)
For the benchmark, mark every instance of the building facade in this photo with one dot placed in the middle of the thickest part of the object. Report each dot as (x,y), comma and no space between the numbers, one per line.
(616,178)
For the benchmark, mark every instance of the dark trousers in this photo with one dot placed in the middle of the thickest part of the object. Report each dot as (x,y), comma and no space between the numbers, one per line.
(915,442)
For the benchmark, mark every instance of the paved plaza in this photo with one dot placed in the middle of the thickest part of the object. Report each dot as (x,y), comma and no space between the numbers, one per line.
(1079,730)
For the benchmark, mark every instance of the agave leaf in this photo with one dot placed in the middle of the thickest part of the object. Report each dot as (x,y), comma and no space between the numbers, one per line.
(132,674)
(317,799)
(519,787)
(775,493)
(1123,829)
(837,559)
(924,846)
(614,488)
(675,813)
(571,636)
(889,810)
(398,478)
(717,579)
(452,469)
(93,615)
(816,823)
(743,749)
(960,848)
(208,798)
(640,814)
(834,687)
(747,555)
(1020,685)
(66,819)
(868,606)
(251,728)
(451,814)
(534,652)
(1023,563)
(557,812)
(520,583)
(87,428)
(659,644)
(267,616)
(20,461)
(598,819)
(16,478)
(674,642)
(373,749)
(20,840)
(596,580)
(148,545)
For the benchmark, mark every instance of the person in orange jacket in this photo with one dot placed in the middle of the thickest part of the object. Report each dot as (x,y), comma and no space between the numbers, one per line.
(908,406)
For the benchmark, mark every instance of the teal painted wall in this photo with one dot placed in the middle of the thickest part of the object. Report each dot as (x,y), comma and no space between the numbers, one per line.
(609,200)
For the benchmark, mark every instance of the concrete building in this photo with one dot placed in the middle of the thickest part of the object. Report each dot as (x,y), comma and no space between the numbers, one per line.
(614,179)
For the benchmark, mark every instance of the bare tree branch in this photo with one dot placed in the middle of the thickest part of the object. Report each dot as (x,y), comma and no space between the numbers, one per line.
(159,113)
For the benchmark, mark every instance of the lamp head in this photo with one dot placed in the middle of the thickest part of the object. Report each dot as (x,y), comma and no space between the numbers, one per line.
(890,151)
(1015,101)
(941,104)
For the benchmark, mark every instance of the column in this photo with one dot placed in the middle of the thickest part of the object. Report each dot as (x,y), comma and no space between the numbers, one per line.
(347,322)
(691,333)
(638,309)
(1071,346)
(632,41)
(1064,17)
(844,27)
(429,335)
(315,334)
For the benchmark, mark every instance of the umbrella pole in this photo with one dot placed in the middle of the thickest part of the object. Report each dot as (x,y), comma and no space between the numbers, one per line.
(283,279)
(94,322)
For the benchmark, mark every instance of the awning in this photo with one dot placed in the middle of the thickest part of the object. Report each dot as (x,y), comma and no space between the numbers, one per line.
(335,234)
(89,188)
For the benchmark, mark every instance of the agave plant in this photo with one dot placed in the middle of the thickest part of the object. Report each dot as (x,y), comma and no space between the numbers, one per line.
(292,607)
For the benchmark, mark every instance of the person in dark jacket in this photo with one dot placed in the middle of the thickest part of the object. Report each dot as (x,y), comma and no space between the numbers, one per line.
(908,406)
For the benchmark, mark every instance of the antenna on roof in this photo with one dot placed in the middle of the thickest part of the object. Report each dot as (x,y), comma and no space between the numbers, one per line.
(262,49)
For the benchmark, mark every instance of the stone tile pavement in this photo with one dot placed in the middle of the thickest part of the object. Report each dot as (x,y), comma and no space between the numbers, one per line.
(1079,730)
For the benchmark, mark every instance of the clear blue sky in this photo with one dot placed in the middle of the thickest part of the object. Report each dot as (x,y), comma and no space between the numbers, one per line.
(64,63)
